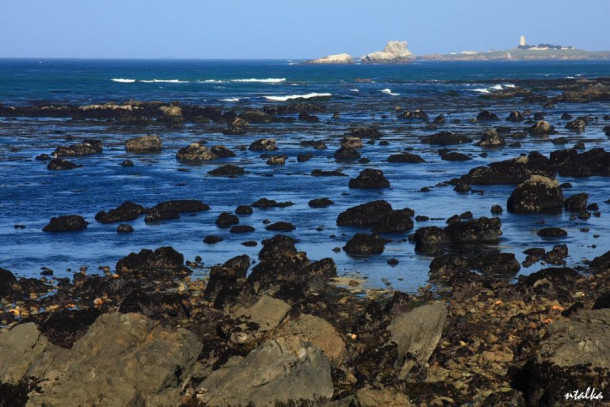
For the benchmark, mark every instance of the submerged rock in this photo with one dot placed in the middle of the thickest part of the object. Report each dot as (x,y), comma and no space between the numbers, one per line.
(346,153)
(68,223)
(445,138)
(144,144)
(363,244)
(87,147)
(405,157)
(264,144)
(370,179)
(125,212)
(59,164)
(227,170)
(196,152)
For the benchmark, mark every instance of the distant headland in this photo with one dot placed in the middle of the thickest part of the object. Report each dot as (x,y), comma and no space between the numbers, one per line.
(397,52)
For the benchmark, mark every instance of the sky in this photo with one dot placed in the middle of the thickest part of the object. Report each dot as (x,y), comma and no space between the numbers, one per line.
(285,29)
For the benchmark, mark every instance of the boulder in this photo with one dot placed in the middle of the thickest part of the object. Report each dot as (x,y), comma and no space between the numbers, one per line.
(365,132)
(227,170)
(20,347)
(309,118)
(363,244)
(270,203)
(369,179)
(541,128)
(267,312)
(574,356)
(123,360)
(123,228)
(226,219)
(417,114)
(223,284)
(445,138)
(571,163)
(277,160)
(394,52)
(552,232)
(491,138)
(320,203)
(57,164)
(405,157)
(144,144)
(346,153)
(576,203)
(513,171)
(163,262)
(536,195)
(195,152)
(577,125)
(351,142)
(367,214)
(244,210)
(399,221)
(264,144)
(600,264)
(282,370)
(125,212)
(453,156)
(482,230)
(330,173)
(242,229)
(281,227)
(7,279)
(515,116)
(68,223)
(237,126)
(256,116)
(487,116)
(181,206)
(445,267)
(417,334)
(87,147)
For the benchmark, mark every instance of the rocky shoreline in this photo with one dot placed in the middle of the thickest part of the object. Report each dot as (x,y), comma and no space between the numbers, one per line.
(282,329)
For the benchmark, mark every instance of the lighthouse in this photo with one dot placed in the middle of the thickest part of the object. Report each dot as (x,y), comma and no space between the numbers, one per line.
(522,41)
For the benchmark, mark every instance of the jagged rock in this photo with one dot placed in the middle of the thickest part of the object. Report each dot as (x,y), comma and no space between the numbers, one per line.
(281,370)
(537,194)
(263,144)
(227,170)
(405,157)
(513,171)
(486,115)
(542,128)
(417,334)
(445,138)
(363,244)
(351,142)
(491,138)
(320,202)
(163,262)
(267,312)
(571,163)
(124,359)
(332,59)
(367,214)
(68,223)
(369,178)
(574,355)
(394,52)
(223,284)
(345,153)
(125,212)
(144,144)
(515,116)
(600,264)
(59,164)
(87,147)
(482,230)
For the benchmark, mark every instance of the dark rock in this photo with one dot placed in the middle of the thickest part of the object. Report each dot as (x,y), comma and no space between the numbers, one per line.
(369,179)
(244,210)
(237,126)
(542,128)
(223,285)
(462,187)
(125,212)
(351,142)
(491,138)
(182,206)
(482,230)
(496,209)
(64,327)
(491,264)
(515,116)
(302,157)
(67,223)
(513,171)
(398,221)
(393,262)
(576,203)
(600,264)
(428,238)
(538,116)
(277,160)
(365,132)
(577,125)
(329,173)
(570,163)
(59,164)
(607,130)
(445,138)
(367,214)
(344,153)
(552,232)
(603,301)
(536,195)
(163,262)
(249,243)
(270,203)
(87,147)
(557,255)
(264,144)
(144,144)
(320,203)
(486,115)
(123,228)
(453,156)
(196,152)
(226,219)
(211,239)
(227,170)
(126,163)
(7,280)
(256,116)
(43,157)
(405,157)
(309,118)
(155,215)
(566,116)
(242,229)
(363,244)
(440,119)
(281,226)
(418,114)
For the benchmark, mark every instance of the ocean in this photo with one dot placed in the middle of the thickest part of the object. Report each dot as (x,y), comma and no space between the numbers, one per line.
(363,95)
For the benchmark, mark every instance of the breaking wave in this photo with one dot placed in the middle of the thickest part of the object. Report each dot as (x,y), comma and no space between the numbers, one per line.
(123,80)
(293,97)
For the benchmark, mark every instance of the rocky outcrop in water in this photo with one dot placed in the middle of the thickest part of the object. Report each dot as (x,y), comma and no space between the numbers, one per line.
(144,144)
(332,59)
(394,52)
(68,223)
(537,194)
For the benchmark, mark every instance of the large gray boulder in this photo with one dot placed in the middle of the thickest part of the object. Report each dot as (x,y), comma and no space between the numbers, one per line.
(575,355)
(268,312)
(122,360)
(279,371)
(394,52)
(536,195)
(19,349)
(417,334)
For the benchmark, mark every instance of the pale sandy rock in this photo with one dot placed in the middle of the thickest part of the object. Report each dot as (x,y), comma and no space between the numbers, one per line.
(394,52)
(268,312)
(333,59)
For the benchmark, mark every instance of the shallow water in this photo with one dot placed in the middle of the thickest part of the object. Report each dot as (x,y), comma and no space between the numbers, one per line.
(31,195)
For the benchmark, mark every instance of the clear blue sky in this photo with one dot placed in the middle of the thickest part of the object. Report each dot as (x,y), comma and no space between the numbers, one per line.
(290,29)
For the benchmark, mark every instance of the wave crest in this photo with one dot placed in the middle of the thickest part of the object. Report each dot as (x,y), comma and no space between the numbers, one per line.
(293,97)
(123,80)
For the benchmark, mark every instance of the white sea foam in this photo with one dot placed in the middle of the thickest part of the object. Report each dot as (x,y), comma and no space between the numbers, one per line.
(388,91)
(255,80)
(509,85)
(230,100)
(211,81)
(164,81)
(354,90)
(123,80)
(496,87)
(481,90)
(292,97)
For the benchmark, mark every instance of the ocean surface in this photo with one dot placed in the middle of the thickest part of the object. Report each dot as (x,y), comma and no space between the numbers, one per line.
(364,95)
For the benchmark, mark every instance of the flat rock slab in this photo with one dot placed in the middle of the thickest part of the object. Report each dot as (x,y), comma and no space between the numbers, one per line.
(19,348)
(268,312)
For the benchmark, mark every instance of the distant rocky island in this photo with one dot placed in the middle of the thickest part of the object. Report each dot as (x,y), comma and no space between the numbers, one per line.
(395,52)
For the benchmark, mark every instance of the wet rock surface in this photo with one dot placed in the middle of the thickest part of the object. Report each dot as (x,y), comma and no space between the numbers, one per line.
(144,144)
(369,179)
(67,223)
(537,194)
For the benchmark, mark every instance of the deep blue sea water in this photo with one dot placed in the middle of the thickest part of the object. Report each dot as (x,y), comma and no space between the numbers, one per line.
(363,94)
